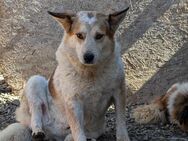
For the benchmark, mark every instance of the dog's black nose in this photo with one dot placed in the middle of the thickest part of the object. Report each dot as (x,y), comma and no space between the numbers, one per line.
(88,57)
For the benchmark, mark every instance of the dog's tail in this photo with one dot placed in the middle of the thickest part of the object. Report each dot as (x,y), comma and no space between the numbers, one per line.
(151,113)
(172,106)
(155,112)
(16,132)
(158,110)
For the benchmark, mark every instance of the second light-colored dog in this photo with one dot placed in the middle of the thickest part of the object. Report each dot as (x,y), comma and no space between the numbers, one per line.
(89,77)
(170,107)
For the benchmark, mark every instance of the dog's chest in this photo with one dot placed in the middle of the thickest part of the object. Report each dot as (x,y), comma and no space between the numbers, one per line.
(95,93)
(86,88)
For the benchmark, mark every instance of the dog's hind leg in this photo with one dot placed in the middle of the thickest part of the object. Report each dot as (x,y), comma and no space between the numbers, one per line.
(35,94)
(16,132)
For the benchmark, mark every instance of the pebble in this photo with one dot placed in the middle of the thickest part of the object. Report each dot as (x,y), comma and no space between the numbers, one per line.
(16,102)
(1,78)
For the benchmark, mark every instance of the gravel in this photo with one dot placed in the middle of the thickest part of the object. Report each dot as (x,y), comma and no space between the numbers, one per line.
(148,132)
(8,104)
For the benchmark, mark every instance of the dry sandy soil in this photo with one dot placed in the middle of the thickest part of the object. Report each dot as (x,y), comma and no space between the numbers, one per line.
(154,38)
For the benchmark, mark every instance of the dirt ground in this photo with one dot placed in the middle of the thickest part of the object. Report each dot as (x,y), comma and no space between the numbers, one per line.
(154,38)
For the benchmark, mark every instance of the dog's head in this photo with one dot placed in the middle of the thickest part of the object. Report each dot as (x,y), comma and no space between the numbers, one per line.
(89,35)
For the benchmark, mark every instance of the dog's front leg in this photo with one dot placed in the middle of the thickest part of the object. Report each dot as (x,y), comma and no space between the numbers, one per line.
(121,130)
(74,113)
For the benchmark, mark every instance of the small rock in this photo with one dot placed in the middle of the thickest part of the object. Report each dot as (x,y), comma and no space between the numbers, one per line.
(2,81)
(16,102)
(1,78)
(145,138)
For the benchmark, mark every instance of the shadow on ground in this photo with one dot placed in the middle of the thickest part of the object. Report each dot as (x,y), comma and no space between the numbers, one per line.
(175,70)
(144,21)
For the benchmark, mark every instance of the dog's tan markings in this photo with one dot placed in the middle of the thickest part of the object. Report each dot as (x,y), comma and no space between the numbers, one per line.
(51,87)
(113,21)
(162,101)
(65,19)
(171,90)
(76,26)
(116,18)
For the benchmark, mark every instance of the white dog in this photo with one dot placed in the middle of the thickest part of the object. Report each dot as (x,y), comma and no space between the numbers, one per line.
(71,106)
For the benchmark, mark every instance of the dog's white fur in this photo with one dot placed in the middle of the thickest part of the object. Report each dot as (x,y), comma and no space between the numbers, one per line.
(173,96)
(49,120)
(84,18)
(82,93)
(16,132)
(181,89)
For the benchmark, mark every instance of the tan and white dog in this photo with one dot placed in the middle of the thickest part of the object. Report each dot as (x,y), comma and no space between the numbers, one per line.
(173,107)
(71,105)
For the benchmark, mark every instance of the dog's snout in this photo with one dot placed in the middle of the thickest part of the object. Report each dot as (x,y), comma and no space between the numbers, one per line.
(89,57)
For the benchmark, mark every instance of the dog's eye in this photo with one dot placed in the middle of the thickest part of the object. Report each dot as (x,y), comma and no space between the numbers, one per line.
(80,36)
(99,36)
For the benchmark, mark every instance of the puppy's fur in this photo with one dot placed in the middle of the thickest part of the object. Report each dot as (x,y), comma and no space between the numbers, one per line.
(173,107)
(89,77)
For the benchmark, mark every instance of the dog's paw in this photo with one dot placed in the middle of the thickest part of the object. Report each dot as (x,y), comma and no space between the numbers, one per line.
(69,138)
(38,135)
(122,138)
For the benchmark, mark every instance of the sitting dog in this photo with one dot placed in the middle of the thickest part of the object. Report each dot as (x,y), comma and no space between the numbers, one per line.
(173,107)
(89,77)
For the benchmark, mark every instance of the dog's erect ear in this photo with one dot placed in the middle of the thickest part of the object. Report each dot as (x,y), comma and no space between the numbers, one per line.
(116,18)
(65,19)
